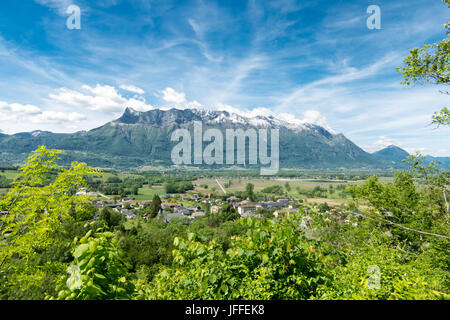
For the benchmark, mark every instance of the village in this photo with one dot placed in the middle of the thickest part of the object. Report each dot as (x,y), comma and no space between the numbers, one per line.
(193,205)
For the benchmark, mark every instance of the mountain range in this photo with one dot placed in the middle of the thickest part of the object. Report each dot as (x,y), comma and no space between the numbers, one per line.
(141,139)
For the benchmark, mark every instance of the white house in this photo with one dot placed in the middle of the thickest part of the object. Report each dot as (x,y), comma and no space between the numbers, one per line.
(245,210)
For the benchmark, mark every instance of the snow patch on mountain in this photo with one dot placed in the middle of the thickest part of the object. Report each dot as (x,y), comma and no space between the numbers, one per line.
(259,118)
(282,119)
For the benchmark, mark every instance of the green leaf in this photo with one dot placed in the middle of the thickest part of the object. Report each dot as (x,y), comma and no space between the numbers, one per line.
(80,250)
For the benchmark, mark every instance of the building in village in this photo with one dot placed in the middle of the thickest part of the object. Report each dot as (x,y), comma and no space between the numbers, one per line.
(246,210)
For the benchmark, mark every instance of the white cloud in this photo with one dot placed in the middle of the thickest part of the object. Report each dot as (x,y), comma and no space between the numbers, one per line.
(58,117)
(170,95)
(384,142)
(133,89)
(263,112)
(138,105)
(193,105)
(179,99)
(18,108)
(16,113)
(194,25)
(102,98)
(60,5)
(315,117)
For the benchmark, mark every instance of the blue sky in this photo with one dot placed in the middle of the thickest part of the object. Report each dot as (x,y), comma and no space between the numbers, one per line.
(314,61)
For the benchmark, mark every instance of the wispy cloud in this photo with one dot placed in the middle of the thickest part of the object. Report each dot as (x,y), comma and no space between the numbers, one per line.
(59,5)
(132,88)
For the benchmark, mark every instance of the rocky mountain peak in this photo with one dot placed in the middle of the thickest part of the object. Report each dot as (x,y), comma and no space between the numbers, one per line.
(175,117)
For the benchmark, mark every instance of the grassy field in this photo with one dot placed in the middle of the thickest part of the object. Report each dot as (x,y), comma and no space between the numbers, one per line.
(261,183)
(335,198)
(121,175)
(147,193)
(3,191)
(239,184)
(10,174)
(331,202)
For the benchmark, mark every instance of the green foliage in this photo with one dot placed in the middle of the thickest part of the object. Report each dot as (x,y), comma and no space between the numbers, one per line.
(40,200)
(323,207)
(364,250)
(178,186)
(399,198)
(397,280)
(287,186)
(148,245)
(98,271)
(155,207)
(316,192)
(272,261)
(4,182)
(276,189)
(83,212)
(442,117)
(430,64)
(114,179)
(416,203)
(110,217)
(403,198)
(228,213)
(250,191)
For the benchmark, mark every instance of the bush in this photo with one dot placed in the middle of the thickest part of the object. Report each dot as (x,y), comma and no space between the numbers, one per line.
(272,261)
(98,271)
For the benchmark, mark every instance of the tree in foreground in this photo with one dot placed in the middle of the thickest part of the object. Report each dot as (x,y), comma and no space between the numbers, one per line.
(98,271)
(430,64)
(40,200)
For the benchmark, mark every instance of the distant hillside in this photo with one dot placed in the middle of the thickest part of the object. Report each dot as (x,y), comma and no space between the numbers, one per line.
(392,154)
(444,161)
